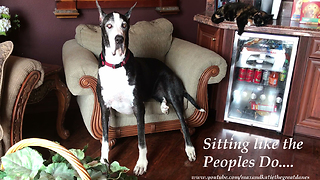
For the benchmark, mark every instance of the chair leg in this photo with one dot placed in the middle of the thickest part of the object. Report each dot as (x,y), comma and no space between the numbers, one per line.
(52,82)
(64,97)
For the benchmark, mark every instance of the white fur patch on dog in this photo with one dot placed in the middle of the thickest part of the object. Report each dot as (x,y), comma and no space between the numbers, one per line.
(191,153)
(164,108)
(116,91)
(104,152)
(142,163)
(116,30)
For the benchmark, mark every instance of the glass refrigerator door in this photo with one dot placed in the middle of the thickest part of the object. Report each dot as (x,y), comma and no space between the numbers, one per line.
(260,76)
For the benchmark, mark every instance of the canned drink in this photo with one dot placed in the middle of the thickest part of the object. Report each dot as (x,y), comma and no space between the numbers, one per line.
(278,100)
(265,77)
(250,74)
(257,76)
(253,96)
(242,74)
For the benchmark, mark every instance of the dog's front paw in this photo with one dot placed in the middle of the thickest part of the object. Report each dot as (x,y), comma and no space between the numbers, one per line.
(104,161)
(141,167)
(191,153)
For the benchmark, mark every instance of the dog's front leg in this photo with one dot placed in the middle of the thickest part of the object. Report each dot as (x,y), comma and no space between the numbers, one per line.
(105,141)
(105,113)
(142,163)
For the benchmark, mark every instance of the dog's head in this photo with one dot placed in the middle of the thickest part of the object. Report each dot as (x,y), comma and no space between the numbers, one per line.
(115,30)
(311,10)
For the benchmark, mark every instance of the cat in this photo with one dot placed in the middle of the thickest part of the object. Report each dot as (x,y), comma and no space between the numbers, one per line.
(242,13)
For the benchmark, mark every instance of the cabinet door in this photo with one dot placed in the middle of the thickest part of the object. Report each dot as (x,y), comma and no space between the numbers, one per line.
(209,37)
(308,121)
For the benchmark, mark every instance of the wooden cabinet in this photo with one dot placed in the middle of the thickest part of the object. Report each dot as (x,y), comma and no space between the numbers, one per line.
(308,121)
(218,40)
(210,37)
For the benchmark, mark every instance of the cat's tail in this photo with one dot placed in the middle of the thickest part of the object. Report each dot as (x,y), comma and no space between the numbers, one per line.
(217,18)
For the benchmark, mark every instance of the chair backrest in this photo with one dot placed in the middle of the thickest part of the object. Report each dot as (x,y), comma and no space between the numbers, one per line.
(146,38)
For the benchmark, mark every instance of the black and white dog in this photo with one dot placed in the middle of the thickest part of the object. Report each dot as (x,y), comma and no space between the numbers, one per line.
(125,82)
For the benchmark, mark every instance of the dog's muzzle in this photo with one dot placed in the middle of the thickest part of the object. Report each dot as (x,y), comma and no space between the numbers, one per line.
(119,42)
(119,39)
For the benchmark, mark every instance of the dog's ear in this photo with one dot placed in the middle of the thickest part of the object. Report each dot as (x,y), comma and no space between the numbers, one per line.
(128,14)
(101,13)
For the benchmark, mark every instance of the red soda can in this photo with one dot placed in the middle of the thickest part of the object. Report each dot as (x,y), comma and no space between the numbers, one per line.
(249,76)
(257,76)
(242,74)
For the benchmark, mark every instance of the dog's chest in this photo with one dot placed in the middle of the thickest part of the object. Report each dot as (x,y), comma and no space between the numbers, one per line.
(116,91)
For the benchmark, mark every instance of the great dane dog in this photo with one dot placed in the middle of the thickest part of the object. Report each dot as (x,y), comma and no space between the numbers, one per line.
(125,82)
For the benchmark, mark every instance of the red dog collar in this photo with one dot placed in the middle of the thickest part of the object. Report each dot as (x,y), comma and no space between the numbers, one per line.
(115,66)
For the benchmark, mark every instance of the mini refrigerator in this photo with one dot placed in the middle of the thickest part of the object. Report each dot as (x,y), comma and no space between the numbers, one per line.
(260,75)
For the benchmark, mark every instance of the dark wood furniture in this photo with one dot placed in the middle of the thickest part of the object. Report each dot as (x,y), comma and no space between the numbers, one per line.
(308,120)
(20,105)
(69,8)
(52,82)
(303,108)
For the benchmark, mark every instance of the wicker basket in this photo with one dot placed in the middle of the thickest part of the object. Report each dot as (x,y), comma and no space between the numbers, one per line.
(54,147)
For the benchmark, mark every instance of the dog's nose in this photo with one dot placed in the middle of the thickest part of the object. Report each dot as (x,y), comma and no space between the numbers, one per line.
(119,39)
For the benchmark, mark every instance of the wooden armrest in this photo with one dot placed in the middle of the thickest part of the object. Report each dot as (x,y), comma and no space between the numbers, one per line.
(96,127)
(20,104)
(198,118)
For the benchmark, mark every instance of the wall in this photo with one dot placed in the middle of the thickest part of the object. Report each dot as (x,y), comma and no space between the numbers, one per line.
(42,35)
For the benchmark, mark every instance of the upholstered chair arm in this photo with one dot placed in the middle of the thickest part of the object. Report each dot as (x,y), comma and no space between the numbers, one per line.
(197,67)
(78,62)
(21,76)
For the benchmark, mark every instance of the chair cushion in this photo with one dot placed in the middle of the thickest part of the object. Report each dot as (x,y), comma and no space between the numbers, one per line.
(147,38)
(5,51)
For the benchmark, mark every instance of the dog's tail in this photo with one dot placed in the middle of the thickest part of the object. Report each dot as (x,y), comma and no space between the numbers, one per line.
(193,102)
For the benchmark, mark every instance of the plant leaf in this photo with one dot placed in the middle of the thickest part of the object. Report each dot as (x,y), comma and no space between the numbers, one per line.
(96,175)
(5,16)
(45,176)
(60,171)
(23,163)
(57,158)
(2,174)
(85,148)
(78,153)
(115,167)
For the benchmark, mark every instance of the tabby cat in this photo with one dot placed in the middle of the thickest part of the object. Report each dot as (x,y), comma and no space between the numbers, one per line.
(243,14)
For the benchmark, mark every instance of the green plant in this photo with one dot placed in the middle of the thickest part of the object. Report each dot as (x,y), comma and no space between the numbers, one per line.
(28,163)
(7,22)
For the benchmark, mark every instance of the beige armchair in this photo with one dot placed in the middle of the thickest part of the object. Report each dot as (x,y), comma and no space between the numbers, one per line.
(18,77)
(196,66)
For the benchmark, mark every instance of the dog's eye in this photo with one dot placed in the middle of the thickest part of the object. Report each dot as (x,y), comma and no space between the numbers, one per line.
(109,26)
(124,25)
